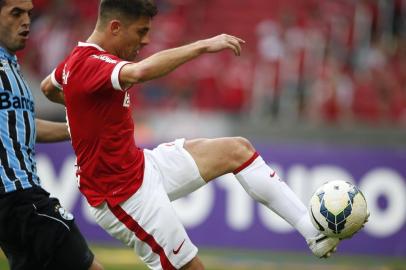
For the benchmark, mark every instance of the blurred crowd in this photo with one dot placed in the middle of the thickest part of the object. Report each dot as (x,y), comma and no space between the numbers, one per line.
(328,62)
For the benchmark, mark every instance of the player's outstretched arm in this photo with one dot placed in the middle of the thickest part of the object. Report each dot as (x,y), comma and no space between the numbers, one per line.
(166,61)
(48,131)
(51,92)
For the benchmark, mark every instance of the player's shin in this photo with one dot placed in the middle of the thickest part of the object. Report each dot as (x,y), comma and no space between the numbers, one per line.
(264,185)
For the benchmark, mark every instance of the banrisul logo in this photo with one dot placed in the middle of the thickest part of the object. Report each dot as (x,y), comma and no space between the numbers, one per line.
(9,101)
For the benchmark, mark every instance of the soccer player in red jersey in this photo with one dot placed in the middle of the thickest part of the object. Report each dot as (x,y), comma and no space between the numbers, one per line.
(36,232)
(130,189)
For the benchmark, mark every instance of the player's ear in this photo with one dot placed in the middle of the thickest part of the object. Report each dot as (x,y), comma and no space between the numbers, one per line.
(115,27)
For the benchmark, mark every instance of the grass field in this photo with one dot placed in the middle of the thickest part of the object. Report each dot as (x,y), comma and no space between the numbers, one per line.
(124,259)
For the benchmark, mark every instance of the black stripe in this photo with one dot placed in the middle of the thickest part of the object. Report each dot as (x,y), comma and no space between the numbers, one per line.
(4,162)
(3,152)
(28,139)
(27,128)
(33,168)
(16,78)
(5,80)
(32,131)
(12,128)
(25,85)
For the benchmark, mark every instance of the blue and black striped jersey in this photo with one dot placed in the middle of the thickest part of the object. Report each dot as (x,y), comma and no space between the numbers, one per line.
(17,129)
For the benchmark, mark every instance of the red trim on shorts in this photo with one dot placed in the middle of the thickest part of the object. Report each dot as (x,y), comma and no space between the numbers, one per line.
(246,164)
(133,225)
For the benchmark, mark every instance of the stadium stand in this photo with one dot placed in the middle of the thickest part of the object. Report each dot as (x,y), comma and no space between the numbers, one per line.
(328,62)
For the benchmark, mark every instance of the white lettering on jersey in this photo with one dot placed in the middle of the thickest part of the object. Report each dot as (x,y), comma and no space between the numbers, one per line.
(126,102)
(78,180)
(77,174)
(65,75)
(105,58)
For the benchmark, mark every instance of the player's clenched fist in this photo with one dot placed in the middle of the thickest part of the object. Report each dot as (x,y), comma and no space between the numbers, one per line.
(222,42)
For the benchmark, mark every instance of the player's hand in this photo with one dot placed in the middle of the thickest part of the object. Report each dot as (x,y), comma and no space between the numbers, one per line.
(223,42)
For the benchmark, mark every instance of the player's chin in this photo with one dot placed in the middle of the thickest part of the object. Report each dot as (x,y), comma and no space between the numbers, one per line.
(18,46)
(134,56)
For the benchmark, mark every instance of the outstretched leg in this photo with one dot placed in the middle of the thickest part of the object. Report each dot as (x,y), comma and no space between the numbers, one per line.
(216,157)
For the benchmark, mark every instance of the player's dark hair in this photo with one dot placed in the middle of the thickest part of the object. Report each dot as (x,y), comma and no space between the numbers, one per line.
(130,9)
(2,2)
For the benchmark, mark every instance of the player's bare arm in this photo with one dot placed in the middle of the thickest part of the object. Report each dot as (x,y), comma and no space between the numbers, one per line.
(48,131)
(51,92)
(166,61)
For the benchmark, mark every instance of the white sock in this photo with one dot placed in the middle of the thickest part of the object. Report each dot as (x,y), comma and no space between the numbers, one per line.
(264,185)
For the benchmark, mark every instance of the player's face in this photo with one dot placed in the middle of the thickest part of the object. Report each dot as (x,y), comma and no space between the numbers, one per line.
(134,37)
(15,24)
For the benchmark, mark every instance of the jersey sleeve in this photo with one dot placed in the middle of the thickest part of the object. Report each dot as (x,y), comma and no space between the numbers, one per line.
(57,76)
(102,72)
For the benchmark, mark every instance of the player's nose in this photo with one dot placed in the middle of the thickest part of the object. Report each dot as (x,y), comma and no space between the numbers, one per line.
(145,40)
(26,19)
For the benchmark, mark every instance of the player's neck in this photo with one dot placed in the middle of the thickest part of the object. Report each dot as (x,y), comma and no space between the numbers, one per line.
(5,49)
(98,39)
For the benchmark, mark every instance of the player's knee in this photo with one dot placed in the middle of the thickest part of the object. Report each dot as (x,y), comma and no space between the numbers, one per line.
(96,266)
(194,264)
(242,150)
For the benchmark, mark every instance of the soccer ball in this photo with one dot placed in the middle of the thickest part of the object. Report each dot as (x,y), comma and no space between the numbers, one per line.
(338,209)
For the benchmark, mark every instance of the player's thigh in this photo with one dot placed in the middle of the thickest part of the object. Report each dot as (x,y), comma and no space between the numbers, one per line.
(19,257)
(43,234)
(17,250)
(15,212)
(148,223)
(216,157)
(56,240)
(73,253)
(179,172)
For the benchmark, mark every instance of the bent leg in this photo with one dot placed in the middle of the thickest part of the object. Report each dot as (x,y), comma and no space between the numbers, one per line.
(215,157)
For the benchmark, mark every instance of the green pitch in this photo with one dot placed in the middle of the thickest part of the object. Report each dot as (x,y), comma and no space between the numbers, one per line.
(124,259)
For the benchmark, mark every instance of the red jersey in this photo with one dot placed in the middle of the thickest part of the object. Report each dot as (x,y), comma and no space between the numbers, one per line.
(110,165)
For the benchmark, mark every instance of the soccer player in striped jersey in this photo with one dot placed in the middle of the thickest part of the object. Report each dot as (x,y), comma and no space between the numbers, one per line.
(35,231)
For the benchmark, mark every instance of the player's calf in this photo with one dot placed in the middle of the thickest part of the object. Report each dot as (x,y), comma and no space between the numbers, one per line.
(263,184)
(194,264)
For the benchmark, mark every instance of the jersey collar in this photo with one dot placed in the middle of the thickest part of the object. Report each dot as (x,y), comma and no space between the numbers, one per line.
(86,44)
(5,54)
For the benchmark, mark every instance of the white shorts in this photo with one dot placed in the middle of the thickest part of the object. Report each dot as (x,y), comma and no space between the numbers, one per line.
(147,221)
